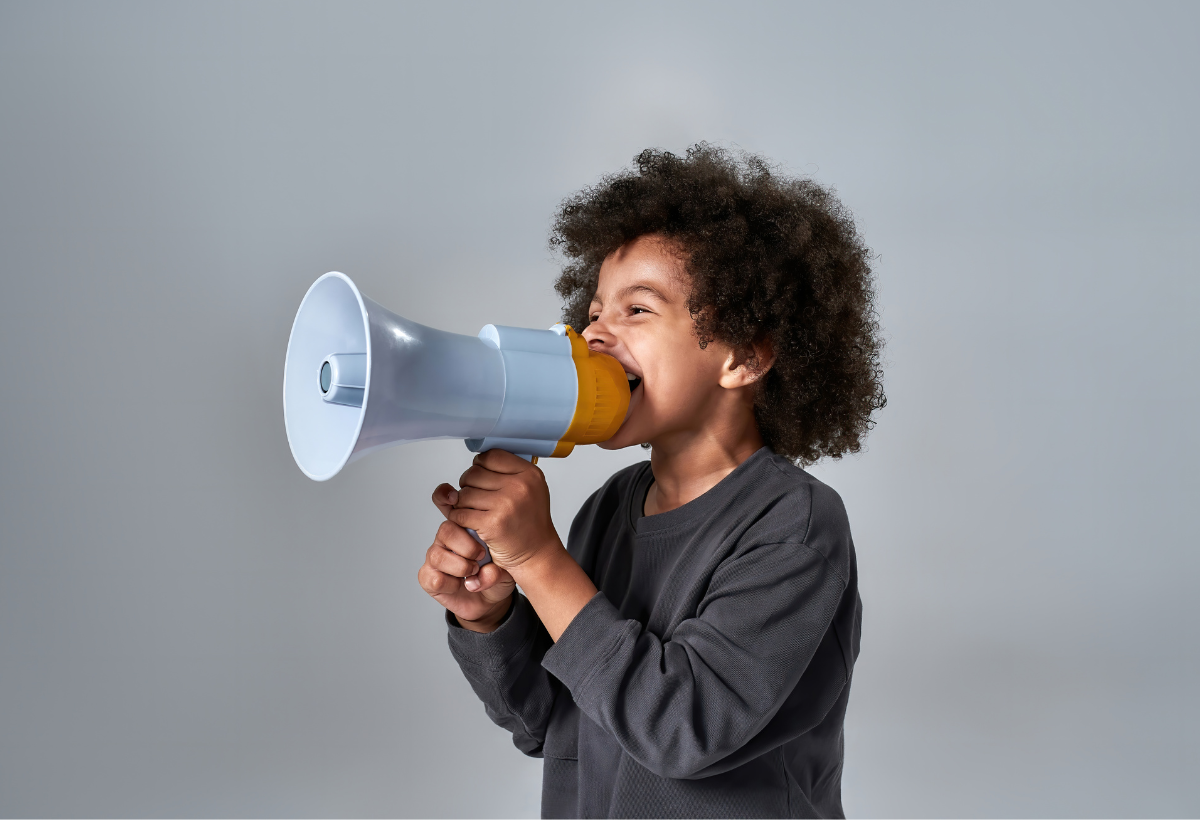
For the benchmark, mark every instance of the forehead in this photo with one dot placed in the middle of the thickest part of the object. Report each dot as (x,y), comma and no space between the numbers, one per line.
(650,262)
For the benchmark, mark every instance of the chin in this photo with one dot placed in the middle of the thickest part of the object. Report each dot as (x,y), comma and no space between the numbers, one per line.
(619,442)
(627,434)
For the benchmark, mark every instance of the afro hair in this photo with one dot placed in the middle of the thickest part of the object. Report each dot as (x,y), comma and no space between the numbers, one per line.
(772,259)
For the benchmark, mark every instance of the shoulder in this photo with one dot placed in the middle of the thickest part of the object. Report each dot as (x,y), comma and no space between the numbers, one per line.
(796,507)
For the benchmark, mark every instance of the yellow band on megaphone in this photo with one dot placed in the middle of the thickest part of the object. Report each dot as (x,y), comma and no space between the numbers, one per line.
(603,397)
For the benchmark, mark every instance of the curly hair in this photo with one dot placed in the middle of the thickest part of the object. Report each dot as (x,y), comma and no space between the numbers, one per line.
(771,259)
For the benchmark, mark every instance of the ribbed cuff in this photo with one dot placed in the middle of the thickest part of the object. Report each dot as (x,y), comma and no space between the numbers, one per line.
(587,642)
(494,648)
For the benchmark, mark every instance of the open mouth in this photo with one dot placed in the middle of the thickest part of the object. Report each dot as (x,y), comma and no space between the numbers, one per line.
(634,381)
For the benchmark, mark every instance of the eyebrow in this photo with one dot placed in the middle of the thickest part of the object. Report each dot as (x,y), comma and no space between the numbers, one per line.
(634,289)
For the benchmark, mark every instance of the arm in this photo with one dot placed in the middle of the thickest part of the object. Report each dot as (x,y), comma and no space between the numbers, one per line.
(504,668)
(681,707)
(505,499)
(493,633)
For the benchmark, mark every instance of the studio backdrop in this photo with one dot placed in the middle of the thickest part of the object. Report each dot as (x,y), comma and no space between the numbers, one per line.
(189,626)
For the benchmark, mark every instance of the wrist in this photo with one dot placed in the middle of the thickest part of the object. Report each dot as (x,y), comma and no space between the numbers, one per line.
(556,586)
(489,621)
(540,568)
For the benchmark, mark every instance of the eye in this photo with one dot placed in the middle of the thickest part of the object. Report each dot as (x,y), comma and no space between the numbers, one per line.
(594,317)
(635,309)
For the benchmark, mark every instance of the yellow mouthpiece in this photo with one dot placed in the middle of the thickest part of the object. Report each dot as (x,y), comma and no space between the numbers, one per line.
(603,397)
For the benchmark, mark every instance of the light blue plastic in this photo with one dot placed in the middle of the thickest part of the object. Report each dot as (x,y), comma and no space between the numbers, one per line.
(421,383)
(348,378)
(540,390)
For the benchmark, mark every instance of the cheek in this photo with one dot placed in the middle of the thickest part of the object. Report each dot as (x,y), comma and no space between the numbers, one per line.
(680,385)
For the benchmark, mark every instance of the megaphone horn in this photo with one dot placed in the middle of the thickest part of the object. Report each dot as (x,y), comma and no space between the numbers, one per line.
(358,378)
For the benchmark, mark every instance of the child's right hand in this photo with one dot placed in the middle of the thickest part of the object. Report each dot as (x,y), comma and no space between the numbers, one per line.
(450,562)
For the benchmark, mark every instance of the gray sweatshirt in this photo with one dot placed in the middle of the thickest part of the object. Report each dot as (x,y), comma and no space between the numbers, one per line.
(709,675)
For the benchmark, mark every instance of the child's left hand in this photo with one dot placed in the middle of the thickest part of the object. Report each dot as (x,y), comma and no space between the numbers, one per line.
(505,499)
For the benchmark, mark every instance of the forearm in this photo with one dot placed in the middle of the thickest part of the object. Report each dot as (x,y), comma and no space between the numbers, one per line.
(504,668)
(685,703)
(555,585)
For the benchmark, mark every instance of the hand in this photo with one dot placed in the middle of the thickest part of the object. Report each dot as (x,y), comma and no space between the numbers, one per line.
(451,570)
(505,499)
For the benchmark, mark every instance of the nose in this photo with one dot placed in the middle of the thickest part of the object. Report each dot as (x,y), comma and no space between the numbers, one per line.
(597,335)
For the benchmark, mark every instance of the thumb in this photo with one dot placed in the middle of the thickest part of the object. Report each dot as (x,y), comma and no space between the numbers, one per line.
(444,498)
(490,577)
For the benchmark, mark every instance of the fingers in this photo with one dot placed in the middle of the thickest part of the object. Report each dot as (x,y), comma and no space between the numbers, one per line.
(450,562)
(453,537)
(445,497)
(484,479)
(441,576)
(472,498)
(488,576)
(436,582)
(470,519)
(502,461)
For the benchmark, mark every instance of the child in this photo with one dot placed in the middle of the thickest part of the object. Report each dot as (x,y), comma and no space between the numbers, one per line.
(689,653)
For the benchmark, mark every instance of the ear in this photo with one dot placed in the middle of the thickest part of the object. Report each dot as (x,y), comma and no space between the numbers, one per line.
(748,367)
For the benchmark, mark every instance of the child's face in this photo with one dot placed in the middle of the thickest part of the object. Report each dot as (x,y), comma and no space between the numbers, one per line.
(639,315)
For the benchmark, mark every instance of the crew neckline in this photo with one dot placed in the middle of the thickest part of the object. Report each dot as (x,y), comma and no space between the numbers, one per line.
(643,524)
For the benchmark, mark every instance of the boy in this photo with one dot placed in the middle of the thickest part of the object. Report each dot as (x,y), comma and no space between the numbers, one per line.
(689,653)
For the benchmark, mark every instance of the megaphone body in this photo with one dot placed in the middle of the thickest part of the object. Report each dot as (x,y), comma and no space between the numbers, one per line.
(359,378)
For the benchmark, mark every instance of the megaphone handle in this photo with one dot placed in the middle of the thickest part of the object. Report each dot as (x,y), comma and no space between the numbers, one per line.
(487,556)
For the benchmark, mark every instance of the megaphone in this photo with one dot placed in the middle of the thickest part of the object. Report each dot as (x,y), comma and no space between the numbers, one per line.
(358,378)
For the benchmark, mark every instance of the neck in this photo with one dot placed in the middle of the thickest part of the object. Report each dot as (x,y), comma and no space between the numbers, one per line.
(687,465)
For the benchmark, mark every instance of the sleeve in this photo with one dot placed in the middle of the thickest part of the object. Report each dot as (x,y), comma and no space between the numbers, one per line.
(680,706)
(504,668)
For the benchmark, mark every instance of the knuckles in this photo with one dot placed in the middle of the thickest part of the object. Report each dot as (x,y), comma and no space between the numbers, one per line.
(516,499)
(429,579)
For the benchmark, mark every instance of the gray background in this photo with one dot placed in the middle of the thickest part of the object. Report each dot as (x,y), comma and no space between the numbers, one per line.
(189,626)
